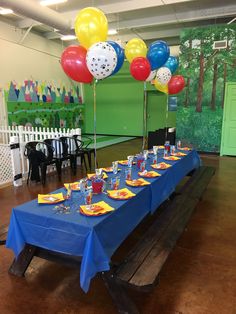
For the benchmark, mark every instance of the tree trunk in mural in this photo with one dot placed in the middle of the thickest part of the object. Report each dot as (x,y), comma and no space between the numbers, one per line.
(224,81)
(187,86)
(213,94)
(200,82)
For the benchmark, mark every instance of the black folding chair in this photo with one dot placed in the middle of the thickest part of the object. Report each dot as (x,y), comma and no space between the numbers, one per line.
(40,155)
(74,151)
(60,153)
(87,150)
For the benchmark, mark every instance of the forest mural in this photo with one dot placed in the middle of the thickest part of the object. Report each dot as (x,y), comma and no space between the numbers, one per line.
(206,70)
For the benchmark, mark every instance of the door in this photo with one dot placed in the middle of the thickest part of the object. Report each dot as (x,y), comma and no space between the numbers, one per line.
(156,111)
(228,139)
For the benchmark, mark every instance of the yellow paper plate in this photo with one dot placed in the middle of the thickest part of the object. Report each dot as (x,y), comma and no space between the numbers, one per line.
(109,169)
(91,175)
(137,182)
(73,186)
(149,174)
(161,166)
(185,148)
(171,158)
(122,194)
(125,162)
(179,154)
(50,198)
(97,209)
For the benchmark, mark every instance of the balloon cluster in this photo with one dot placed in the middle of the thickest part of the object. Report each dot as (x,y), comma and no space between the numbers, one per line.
(98,58)
(154,64)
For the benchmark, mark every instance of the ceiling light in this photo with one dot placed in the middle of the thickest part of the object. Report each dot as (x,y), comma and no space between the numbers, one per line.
(68,37)
(112,32)
(51,2)
(5,11)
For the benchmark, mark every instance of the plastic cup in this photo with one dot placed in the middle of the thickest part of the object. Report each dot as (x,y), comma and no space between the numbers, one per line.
(115,182)
(115,167)
(128,173)
(145,154)
(140,159)
(88,198)
(155,150)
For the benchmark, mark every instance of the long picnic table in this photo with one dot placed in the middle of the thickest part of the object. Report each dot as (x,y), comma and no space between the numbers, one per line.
(95,239)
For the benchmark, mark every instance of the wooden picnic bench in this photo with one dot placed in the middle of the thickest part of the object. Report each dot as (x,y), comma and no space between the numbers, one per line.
(3,234)
(142,267)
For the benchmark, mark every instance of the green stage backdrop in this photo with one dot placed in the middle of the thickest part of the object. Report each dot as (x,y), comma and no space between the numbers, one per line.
(120,103)
(200,105)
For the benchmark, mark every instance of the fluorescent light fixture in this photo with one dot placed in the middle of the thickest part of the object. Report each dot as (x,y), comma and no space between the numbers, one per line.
(4,11)
(112,31)
(51,2)
(68,37)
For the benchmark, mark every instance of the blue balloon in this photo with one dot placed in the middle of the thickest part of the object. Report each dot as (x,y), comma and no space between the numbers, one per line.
(172,64)
(158,53)
(120,55)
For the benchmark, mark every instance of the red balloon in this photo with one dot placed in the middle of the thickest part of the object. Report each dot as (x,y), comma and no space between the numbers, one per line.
(73,62)
(140,68)
(176,84)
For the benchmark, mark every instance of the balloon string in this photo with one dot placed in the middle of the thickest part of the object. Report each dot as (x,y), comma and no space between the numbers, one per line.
(167,115)
(144,116)
(95,124)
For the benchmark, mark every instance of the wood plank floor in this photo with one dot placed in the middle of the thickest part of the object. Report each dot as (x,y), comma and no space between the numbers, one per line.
(199,276)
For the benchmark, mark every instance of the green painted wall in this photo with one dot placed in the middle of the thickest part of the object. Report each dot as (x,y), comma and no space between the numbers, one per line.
(119,105)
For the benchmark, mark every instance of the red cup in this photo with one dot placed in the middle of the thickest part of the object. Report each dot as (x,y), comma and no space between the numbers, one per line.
(97,186)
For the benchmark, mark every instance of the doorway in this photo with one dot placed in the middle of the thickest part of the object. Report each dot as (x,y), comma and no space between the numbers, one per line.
(228,138)
(158,116)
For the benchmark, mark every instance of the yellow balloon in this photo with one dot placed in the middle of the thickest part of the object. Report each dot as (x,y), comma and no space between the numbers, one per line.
(91,26)
(134,48)
(160,87)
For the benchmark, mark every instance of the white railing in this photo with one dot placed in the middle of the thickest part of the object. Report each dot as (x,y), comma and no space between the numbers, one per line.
(23,135)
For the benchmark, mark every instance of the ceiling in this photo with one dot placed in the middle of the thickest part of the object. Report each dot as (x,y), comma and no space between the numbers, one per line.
(149,20)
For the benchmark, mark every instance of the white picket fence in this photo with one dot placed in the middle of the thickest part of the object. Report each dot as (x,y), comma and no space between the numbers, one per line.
(23,135)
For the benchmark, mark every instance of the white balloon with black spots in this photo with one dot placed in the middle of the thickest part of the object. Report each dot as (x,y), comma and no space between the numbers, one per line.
(163,75)
(101,60)
(151,76)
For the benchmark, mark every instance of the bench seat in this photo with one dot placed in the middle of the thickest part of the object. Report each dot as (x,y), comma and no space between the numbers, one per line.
(141,268)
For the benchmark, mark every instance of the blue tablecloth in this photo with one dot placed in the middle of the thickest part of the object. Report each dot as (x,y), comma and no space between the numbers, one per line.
(94,238)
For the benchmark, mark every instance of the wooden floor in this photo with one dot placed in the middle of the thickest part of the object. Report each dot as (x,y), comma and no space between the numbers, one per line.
(199,276)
